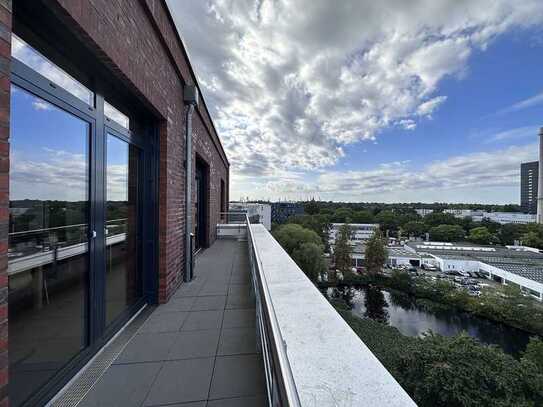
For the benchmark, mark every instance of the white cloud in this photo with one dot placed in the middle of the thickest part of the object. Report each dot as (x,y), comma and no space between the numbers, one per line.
(513,134)
(500,168)
(523,104)
(60,175)
(40,104)
(428,107)
(290,83)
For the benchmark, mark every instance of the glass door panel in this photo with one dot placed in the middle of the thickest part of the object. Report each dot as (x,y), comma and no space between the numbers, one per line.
(48,241)
(123,282)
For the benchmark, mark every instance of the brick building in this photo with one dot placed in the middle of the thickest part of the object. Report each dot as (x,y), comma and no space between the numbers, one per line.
(93,126)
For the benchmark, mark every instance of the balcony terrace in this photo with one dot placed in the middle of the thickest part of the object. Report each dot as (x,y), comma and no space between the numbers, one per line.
(249,330)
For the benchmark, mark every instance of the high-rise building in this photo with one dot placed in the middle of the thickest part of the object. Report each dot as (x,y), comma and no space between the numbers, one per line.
(528,186)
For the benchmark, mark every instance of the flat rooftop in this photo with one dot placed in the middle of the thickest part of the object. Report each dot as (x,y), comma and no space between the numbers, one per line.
(199,349)
(526,264)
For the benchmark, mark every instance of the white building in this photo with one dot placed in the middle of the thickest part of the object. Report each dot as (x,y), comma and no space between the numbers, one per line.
(499,217)
(502,264)
(257,212)
(423,211)
(510,217)
(360,232)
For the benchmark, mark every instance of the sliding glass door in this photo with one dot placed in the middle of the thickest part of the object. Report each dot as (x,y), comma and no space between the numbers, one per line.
(48,241)
(75,230)
(123,279)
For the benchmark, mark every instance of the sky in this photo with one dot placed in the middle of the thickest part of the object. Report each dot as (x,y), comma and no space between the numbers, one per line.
(49,155)
(363,100)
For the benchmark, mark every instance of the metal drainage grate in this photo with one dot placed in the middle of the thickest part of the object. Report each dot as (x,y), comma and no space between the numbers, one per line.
(72,394)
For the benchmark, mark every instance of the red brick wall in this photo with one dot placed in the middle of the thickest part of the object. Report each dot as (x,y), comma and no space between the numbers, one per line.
(138,42)
(5,56)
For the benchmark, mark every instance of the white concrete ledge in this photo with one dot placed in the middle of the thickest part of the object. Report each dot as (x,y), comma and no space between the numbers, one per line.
(330,364)
(231,230)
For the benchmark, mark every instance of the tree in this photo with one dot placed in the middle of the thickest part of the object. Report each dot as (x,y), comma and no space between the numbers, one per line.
(304,246)
(414,228)
(376,254)
(292,236)
(532,239)
(511,232)
(388,220)
(534,353)
(440,218)
(311,207)
(493,227)
(481,235)
(342,215)
(447,233)
(363,217)
(320,224)
(309,256)
(343,249)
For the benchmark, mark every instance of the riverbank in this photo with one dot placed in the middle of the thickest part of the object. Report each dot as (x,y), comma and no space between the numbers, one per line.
(414,317)
(452,371)
(505,305)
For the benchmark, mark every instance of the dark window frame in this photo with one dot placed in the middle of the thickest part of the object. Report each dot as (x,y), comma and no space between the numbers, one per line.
(97,335)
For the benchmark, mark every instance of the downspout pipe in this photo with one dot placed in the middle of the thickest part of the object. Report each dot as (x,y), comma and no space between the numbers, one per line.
(190,99)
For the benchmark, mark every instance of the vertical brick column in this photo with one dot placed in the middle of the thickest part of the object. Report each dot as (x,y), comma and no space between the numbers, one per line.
(5,56)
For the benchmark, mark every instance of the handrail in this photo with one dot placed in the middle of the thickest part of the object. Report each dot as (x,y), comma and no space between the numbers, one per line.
(28,232)
(281,391)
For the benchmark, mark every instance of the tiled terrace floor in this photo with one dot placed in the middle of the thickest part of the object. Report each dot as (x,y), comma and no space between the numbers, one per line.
(197,350)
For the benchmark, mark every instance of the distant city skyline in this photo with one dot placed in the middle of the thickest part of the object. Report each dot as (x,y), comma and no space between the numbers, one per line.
(420,102)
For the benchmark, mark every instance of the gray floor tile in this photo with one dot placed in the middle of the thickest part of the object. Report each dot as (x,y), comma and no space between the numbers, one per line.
(147,347)
(122,386)
(209,303)
(239,289)
(188,290)
(198,320)
(194,344)
(176,304)
(213,290)
(181,381)
(239,318)
(237,341)
(256,401)
(240,301)
(240,279)
(164,322)
(191,404)
(237,376)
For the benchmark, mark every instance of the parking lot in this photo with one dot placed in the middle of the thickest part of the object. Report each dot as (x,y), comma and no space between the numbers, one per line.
(470,281)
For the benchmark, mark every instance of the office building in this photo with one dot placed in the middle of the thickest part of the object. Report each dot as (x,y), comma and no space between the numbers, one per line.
(529,179)
(281,211)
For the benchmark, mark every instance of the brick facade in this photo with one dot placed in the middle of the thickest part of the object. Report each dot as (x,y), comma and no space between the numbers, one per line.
(139,44)
(5,56)
(138,41)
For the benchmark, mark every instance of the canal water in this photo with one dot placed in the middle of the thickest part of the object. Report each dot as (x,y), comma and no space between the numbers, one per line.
(402,312)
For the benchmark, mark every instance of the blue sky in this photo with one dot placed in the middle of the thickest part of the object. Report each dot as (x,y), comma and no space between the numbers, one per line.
(371,101)
(50,153)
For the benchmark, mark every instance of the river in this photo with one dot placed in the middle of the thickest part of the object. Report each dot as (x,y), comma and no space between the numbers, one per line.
(413,320)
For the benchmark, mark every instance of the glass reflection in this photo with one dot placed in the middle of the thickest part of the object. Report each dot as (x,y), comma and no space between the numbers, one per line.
(33,59)
(115,115)
(122,278)
(47,255)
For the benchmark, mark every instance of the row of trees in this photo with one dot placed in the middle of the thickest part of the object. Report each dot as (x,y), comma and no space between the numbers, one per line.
(306,247)
(312,207)
(406,223)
